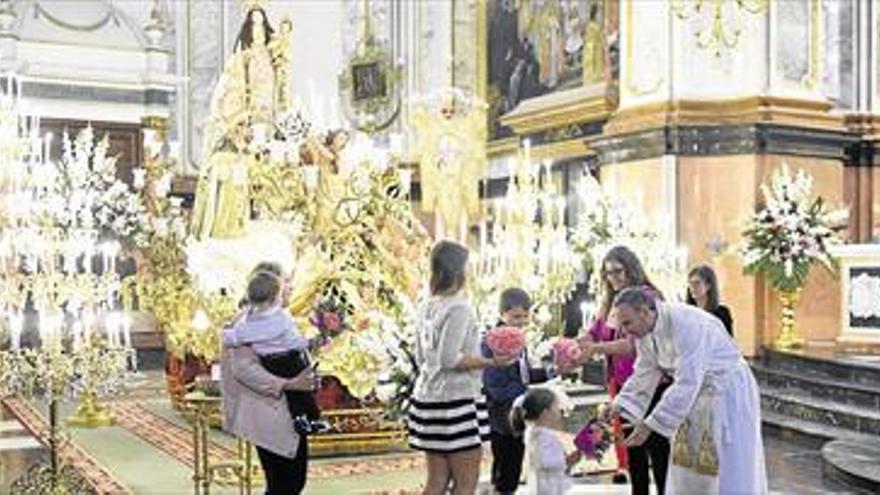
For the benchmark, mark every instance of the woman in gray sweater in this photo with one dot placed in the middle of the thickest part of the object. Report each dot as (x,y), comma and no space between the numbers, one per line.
(447,416)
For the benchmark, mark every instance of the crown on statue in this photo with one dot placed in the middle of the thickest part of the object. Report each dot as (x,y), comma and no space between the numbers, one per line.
(249,5)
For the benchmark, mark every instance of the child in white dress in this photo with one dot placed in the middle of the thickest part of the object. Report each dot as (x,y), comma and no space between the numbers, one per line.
(538,413)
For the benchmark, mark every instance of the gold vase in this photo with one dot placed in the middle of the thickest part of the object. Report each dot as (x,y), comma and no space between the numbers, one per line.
(786,338)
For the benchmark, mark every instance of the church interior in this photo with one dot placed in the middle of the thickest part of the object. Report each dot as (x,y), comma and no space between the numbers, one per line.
(154,152)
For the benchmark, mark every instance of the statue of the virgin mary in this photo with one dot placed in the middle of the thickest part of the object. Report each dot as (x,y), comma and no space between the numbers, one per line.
(243,107)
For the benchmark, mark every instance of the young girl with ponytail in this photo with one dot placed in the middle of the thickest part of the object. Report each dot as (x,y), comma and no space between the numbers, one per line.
(537,414)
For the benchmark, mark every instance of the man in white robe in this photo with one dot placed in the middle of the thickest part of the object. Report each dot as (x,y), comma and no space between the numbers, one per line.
(711,412)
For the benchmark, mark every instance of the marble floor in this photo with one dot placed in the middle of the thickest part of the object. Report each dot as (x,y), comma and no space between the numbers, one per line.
(792,468)
(797,470)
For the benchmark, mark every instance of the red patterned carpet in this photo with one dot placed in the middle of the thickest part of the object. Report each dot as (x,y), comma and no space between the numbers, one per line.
(176,441)
(97,476)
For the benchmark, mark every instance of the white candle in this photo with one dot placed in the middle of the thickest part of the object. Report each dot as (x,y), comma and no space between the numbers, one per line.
(76,331)
(111,324)
(561,207)
(88,319)
(585,318)
(47,153)
(126,331)
(42,325)
(16,328)
(527,145)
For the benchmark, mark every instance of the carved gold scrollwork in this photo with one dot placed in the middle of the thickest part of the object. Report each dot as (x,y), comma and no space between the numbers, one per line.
(723,31)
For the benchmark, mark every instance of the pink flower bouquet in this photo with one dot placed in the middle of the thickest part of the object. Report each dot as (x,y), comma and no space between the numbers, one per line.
(506,342)
(566,354)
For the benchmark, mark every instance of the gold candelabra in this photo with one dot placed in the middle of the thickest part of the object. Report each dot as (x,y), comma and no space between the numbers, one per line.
(53,372)
(526,245)
(58,279)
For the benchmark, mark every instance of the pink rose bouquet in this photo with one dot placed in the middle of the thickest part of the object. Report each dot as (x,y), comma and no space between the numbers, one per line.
(328,316)
(332,321)
(566,354)
(506,342)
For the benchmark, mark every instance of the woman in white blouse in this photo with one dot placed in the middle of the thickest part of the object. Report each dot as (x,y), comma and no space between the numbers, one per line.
(447,417)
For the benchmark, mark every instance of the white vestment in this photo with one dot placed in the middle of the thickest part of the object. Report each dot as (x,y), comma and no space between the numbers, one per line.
(711,413)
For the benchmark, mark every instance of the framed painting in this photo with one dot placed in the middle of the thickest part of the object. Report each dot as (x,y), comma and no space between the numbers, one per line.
(368,81)
(536,51)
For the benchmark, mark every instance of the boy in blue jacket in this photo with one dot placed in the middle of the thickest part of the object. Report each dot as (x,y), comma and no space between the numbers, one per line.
(502,385)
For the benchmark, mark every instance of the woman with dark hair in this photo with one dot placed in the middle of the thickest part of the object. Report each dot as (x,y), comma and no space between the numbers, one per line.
(246,35)
(703,292)
(620,269)
(447,416)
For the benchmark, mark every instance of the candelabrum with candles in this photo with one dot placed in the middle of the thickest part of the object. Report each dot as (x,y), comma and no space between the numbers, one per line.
(606,221)
(58,275)
(524,243)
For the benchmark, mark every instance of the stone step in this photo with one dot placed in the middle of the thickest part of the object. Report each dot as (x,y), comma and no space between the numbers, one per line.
(578,390)
(842,369)
(804,432)
(585,398)
(854,462)
(818,387)
(826,412)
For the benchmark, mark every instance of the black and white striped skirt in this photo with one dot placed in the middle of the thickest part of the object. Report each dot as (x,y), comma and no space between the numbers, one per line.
(448,426)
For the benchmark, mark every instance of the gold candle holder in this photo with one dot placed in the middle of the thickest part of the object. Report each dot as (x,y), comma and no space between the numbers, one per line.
(90,413)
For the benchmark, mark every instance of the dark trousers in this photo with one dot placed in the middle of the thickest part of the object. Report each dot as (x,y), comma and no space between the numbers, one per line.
(285,476)
(652,456)
(507,459)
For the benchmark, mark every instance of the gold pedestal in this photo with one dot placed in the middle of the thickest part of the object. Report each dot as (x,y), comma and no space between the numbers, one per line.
(787,339)
(240,472)
(91,413)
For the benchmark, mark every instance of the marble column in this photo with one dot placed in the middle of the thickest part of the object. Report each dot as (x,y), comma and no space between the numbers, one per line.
(706,116)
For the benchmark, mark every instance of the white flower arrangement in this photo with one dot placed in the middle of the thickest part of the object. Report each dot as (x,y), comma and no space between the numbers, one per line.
(398,367)
(791,232)
(84,193)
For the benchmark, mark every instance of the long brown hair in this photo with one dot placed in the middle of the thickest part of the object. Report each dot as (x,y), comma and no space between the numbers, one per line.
(707,275)
(448,265)
(632,270)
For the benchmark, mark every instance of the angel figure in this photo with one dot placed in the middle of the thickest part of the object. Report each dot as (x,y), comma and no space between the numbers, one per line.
(325,155)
